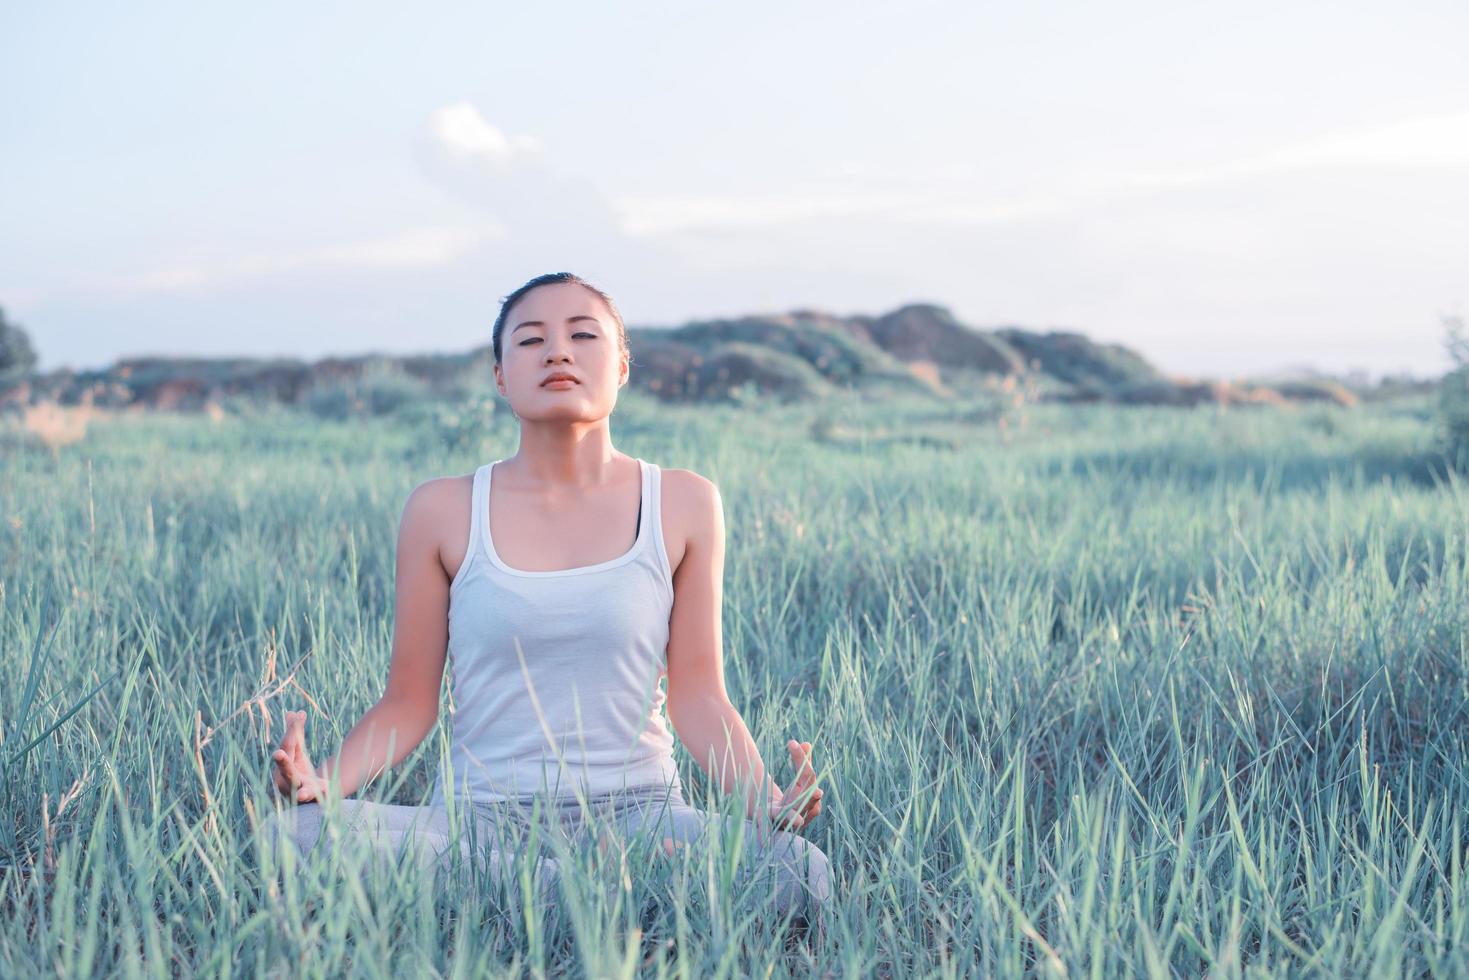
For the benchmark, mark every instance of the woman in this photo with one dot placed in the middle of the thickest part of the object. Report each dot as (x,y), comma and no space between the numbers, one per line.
(562,584)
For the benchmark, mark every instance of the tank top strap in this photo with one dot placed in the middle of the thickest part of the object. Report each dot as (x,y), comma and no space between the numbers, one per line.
(478,495)
(653,520)
(645,498)
(479,498)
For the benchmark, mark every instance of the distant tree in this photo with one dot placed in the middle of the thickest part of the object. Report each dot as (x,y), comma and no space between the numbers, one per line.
(17,356)
(1453,394)
(1456,339)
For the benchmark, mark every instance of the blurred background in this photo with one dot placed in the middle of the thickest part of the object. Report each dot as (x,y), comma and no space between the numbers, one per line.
(1246,190)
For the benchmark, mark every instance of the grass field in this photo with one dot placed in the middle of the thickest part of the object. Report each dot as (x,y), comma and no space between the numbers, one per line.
(1098,692)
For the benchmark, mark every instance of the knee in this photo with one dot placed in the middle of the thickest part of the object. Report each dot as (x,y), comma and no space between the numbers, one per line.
(804,872)
(298,826)
(817,868)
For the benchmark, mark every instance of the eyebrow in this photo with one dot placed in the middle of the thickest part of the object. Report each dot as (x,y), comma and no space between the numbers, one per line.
(570,319)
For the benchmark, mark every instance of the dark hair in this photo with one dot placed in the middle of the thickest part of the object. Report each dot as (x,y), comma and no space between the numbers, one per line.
(546,280)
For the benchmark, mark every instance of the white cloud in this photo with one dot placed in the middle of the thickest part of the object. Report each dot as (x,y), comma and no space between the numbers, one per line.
(1435,141)
(658,214)
(417,248)
(654,214)
(460,131)
(1430,141)
(551,217)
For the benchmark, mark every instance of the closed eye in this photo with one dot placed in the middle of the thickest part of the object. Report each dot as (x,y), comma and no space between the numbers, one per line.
(575,335)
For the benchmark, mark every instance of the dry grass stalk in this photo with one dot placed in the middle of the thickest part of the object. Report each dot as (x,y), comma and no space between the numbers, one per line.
(58,425)
(48,829)
(270,687)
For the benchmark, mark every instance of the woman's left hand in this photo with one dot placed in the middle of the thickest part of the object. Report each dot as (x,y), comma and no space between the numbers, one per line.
(801,803)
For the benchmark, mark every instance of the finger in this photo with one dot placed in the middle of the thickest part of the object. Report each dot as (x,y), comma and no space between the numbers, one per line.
(293,769)
(802,790)
(297,726)
(299,754)
(801,756)
(308,788)
(809,810)
(302,758)
(283,782)
(279,776)
(811,780)
(789,819)
(797,755)
(805,780)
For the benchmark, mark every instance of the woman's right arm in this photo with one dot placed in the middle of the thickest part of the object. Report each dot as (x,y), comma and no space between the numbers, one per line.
(392,728)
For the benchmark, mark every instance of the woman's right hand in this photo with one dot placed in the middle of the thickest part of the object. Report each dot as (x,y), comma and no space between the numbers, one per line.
(294,777)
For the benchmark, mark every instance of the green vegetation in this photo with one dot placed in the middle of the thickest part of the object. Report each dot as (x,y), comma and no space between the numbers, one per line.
(1094,691)
(378,390)
(1453,394)
(836,355)
(799,356)
(1077,359)
(17,356)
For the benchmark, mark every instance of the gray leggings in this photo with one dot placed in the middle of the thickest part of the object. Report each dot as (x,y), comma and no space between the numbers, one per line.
(795,870)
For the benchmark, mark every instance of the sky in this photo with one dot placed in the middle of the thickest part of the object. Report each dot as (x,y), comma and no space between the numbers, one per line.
(1231,189)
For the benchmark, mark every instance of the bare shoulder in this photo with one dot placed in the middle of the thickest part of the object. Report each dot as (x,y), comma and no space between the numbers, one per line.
(693,512)
(441,490)
(690,493)
(436,517)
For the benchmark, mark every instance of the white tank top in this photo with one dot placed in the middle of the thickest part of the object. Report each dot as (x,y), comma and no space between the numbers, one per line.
(556,676)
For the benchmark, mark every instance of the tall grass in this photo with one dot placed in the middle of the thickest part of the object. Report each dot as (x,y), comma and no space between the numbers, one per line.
(1113,692)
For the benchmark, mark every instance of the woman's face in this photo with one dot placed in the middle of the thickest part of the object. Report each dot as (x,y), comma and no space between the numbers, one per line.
(560,328)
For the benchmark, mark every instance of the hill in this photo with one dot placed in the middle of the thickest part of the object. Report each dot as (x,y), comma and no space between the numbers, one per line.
(792,356)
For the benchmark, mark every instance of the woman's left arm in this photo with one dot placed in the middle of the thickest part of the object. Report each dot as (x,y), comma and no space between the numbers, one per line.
(698,706)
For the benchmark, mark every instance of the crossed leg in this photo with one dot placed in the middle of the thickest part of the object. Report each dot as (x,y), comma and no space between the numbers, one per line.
(387,829)
(795,870)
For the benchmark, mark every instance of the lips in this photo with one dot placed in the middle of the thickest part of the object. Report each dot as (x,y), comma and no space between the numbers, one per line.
(559,377)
